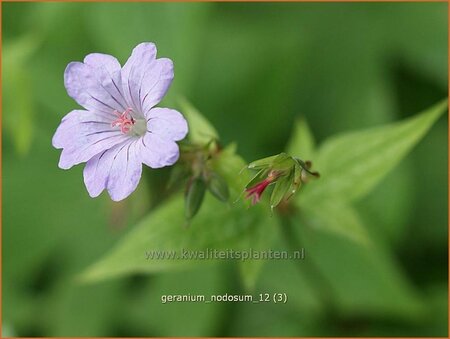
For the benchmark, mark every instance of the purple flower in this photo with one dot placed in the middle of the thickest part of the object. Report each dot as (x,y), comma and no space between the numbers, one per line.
(120,129)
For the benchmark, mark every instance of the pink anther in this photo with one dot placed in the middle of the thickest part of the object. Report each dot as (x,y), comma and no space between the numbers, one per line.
(124,120)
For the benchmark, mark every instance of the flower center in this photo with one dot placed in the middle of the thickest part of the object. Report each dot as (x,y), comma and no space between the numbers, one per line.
(129,124)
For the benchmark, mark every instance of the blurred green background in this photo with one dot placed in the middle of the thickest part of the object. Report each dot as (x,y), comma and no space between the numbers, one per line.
(251,69)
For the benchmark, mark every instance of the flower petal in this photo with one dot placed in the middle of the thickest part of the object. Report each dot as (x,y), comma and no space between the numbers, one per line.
(155,83)
(157,152)
(145,79)
(76,123)
(108,72)
(82,135)
(97,169)
(75,155)
(142,57)
(117,169)
(167,123)
(100,60)
(93,87)
(125,172)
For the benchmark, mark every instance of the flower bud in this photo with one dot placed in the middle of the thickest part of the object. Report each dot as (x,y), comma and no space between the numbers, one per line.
(194,197)
(285,172)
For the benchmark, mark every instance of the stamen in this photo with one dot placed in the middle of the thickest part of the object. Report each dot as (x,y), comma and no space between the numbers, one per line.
(124,120)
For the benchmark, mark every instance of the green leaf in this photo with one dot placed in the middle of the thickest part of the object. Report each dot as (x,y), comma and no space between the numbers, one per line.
(18,113)
(261,240)
(18,109)
(365,280)
(337,217)
(289,277)
(200,130)
(214,227)
(302,142)
(352,164)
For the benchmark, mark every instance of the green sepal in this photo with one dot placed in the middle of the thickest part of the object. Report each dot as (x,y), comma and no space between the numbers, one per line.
(257,178)
(297,182)
(306,165)
(218,187)
(178,175)
(281,189)
(261,163)
(194,197)
(283,164)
